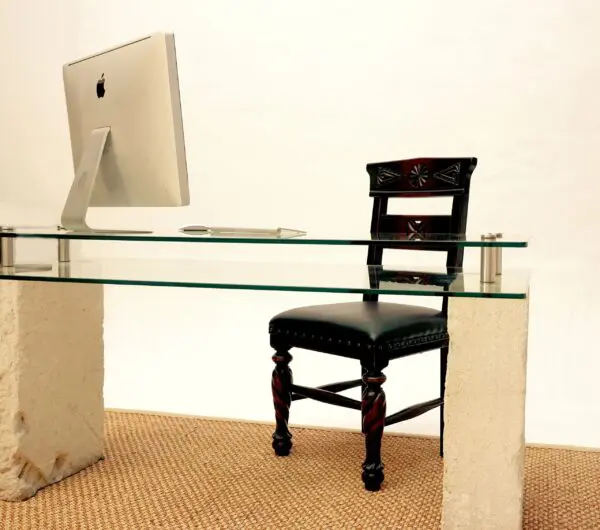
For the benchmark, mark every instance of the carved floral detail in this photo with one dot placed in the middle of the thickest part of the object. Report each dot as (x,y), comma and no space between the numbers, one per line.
(418,176)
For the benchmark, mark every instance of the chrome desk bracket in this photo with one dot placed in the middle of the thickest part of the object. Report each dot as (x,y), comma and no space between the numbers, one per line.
(64,258)
(64,250)
(489,260)
(8,260)
(7,248)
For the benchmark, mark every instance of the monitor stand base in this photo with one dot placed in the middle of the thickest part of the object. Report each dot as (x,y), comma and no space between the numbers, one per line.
(73,218)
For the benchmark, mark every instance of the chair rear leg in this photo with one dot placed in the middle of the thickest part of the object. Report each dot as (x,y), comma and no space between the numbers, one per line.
(443,369)
(373,419)
(281,387)
(363,389)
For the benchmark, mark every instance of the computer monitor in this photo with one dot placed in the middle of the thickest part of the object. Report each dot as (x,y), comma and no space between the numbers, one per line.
(126,130)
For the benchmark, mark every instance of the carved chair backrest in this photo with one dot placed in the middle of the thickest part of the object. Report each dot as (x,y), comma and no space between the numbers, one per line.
(414,178)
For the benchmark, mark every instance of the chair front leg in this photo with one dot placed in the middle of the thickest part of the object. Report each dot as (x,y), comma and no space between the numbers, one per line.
(281,386)
(373,407)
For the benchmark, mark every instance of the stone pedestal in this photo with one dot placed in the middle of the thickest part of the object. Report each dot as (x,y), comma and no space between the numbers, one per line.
(484,439)
(51,379)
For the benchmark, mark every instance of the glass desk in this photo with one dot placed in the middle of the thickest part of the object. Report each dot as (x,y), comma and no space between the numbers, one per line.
(51,322)
(331,280)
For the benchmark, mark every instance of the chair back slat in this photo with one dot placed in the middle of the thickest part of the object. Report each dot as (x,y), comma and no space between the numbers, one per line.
(415,226)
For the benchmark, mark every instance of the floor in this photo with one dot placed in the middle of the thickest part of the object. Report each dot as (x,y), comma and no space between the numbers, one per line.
(190,473)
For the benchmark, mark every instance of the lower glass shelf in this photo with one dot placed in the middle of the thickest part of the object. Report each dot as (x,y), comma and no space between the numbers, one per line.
(299,277)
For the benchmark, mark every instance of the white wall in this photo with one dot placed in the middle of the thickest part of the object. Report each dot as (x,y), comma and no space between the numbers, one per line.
(284,103)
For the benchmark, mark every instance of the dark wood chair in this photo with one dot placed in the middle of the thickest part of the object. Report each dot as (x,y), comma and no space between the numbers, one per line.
(371,331)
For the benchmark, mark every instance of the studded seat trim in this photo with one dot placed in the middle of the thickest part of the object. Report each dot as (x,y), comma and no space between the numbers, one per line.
(289,337)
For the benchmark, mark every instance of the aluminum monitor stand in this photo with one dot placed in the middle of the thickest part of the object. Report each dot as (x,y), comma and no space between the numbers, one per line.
(80,195)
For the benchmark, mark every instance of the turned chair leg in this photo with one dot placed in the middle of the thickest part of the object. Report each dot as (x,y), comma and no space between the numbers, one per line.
(373,408)
(281,386)
(443,369)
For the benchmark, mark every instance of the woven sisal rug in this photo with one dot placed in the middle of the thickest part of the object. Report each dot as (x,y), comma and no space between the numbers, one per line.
(188,473)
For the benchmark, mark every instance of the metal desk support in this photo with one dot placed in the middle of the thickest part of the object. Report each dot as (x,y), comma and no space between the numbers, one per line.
(64,250)
(7,248)
(489,260)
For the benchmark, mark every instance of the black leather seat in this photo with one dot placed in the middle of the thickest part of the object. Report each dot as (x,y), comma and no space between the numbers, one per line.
(356,329)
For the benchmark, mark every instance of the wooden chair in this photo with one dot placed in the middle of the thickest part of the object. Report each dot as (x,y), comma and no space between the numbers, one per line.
(371,331)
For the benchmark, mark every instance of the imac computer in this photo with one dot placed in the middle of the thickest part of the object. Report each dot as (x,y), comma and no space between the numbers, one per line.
(126,130)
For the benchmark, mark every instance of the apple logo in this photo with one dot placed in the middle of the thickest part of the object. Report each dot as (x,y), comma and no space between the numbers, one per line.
(100,90)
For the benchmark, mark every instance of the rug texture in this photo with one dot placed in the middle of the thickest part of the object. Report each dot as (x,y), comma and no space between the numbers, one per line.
(184,473)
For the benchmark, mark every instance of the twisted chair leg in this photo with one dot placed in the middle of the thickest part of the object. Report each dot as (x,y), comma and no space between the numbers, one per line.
(281,386)
(373,408)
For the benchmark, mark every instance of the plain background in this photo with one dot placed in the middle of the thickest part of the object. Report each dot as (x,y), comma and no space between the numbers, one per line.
(284,103)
